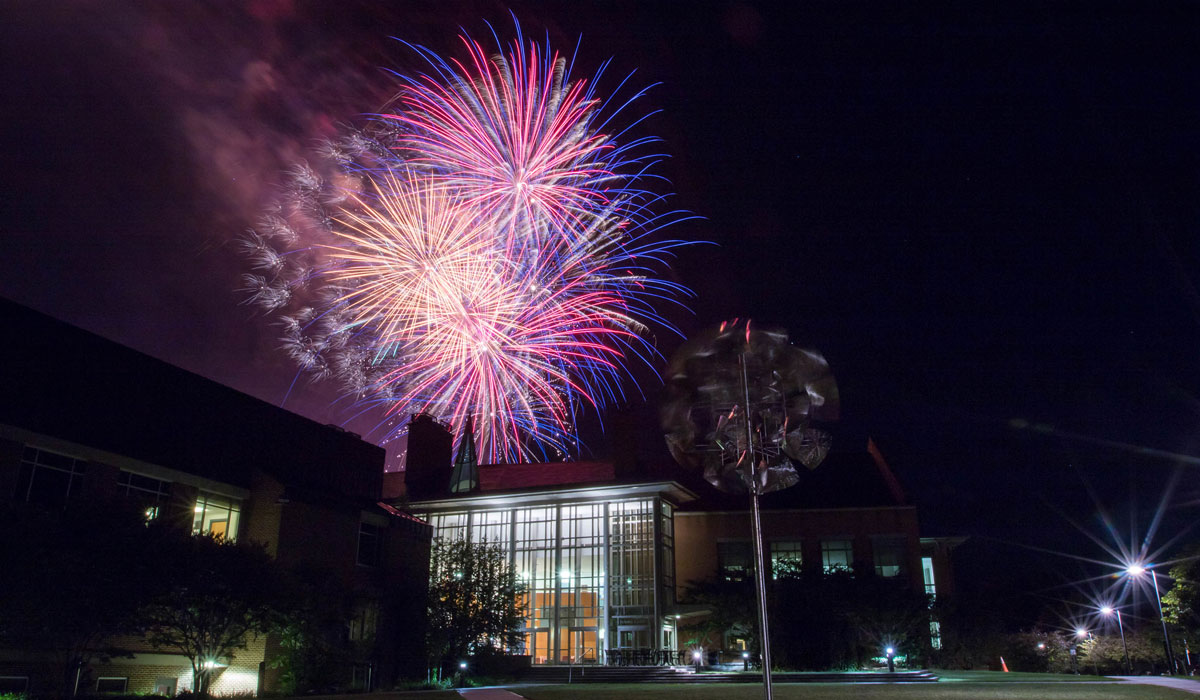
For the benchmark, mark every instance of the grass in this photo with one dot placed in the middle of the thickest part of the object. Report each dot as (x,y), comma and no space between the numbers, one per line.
(965,690)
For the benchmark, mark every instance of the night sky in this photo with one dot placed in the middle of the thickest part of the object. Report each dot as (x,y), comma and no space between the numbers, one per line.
(984,218)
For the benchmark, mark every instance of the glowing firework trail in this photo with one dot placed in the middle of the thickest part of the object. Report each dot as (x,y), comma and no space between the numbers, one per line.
(478,253)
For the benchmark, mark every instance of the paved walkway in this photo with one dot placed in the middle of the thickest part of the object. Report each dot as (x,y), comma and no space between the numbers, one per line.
(488,694)
(1191,685)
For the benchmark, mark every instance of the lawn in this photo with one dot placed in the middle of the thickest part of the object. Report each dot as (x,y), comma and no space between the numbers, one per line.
(958,690)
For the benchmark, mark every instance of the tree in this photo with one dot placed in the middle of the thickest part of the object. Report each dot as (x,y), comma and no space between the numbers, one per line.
(734,612)
(819,620)
(857,613)
(79,576)
(314,650)
(476,602)
(1181,605)
(222,593)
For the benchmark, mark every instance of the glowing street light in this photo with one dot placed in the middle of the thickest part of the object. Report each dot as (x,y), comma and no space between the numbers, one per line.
(1136,570)
(1109,610)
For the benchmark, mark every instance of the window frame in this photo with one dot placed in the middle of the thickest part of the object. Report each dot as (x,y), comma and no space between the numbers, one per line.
(826,550)
(124,685)
(727,571)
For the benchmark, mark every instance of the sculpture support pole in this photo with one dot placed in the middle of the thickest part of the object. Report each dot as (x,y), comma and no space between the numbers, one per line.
(759,568)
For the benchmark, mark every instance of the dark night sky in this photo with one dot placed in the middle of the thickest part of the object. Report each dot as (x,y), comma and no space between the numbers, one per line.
(980,216)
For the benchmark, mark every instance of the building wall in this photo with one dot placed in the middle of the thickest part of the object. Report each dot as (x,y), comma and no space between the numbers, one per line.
(319,530)
(697,535)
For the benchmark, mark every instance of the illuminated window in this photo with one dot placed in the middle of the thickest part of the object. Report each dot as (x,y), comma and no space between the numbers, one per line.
(48,478)
(927,573)
(369,538)
(785,558)
(890,552)
(837,555)
(735,561)
(216,516)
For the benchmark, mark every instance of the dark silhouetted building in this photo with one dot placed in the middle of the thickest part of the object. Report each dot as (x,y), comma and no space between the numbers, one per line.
(84,418)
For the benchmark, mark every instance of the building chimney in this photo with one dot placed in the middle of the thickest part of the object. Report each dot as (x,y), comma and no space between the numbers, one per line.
(427,464)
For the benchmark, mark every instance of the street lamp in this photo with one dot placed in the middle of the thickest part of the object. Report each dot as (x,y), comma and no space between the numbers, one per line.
(891,655)
(1137,570)
(1109,610)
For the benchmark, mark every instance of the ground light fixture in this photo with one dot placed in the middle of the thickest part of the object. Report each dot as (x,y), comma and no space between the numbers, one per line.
(1138,570)
(1110,610)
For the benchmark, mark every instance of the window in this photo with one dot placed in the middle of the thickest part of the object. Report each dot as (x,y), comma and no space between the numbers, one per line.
(151,492)
(785,558)
(364,622)
(837,555)
(927,573)
(111,684)
(735,561)
(361,675)
(13,684)
(368,544)
(890,553)
(935,634)
(216,516)
(48,478)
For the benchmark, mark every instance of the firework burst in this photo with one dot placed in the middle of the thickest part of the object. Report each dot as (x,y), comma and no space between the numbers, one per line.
(480,250)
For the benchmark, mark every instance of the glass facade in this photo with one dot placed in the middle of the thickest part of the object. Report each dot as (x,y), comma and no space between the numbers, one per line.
(589,568)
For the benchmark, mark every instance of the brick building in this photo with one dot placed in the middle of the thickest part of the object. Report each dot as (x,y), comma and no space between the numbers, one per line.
(607,549)
(85,418)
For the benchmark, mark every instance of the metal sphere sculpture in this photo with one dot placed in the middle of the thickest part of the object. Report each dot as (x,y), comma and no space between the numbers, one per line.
(738,374)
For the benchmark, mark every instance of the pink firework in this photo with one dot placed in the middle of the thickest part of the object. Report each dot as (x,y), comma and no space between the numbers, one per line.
(481,254)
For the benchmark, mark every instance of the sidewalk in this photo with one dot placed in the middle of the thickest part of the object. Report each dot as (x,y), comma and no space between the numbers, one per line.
(1190,685)
(488,694)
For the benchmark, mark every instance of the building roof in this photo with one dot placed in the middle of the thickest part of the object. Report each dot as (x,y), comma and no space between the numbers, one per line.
(67,383)
(515,477)
(848,478)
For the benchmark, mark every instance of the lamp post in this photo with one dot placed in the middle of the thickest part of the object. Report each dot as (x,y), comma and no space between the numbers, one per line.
(1137,570)
(1109,610)
(891,656)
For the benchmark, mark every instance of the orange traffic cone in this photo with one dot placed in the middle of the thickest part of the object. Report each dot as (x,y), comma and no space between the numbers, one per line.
(1003,666)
